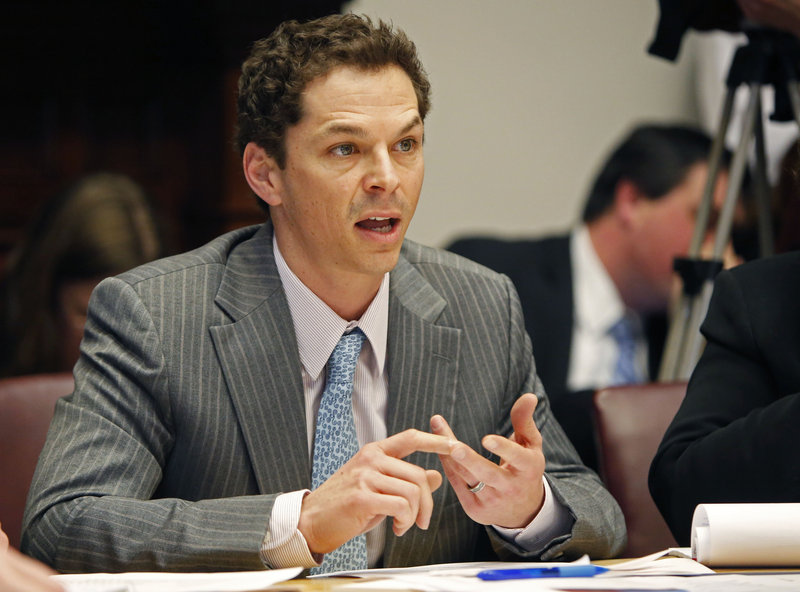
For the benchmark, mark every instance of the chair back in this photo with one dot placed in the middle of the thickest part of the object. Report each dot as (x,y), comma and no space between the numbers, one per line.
(630,422)
(26,408)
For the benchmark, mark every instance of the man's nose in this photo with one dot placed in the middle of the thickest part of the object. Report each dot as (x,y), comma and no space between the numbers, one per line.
(382,173)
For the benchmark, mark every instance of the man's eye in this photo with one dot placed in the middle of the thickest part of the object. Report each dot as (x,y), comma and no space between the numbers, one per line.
(406,145)
(343,150)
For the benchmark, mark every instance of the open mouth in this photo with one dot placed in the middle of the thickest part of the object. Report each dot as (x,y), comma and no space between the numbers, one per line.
(378,224)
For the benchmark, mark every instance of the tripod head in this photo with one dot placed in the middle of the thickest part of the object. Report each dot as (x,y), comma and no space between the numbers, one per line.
(770,57)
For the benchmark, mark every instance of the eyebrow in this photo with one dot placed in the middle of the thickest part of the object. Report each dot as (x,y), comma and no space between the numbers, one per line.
(359,132)
(411,125)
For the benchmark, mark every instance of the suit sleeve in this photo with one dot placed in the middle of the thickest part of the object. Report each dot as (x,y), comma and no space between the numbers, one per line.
(599,527)
(734,437)
(94,503)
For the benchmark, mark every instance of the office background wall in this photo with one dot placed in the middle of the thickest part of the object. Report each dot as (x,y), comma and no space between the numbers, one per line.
(528,96)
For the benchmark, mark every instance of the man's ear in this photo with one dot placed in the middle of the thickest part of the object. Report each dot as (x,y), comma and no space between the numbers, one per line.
(263,174)
(627,197)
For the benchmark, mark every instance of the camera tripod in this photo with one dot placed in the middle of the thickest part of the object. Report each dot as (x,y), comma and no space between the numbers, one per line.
(772,58)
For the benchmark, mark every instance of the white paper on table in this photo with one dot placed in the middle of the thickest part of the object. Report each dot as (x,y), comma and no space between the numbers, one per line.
(421,583)
(670,562)
(747,535)
(777,582)
(469,568)
(234,581)
(652,572)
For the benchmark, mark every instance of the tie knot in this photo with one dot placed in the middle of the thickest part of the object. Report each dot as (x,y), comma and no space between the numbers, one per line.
(622,330)
(342,363)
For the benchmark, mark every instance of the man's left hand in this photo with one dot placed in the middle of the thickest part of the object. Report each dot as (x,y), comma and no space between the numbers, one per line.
(514,491)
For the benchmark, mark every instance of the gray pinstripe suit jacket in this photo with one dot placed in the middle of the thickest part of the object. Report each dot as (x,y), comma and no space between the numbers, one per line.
(188,419)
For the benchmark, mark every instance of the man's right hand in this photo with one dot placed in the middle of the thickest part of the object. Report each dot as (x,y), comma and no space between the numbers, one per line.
(375,483)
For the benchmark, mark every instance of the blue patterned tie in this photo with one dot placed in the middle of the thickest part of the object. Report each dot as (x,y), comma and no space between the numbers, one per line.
(335,441)
(625,369)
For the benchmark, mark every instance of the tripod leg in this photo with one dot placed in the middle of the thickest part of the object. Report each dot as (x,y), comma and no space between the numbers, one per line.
(794,94)
(680,308)
(714,165)
(694,339)
(738,166)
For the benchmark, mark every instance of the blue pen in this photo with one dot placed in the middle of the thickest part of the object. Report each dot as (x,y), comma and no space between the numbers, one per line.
(566,571)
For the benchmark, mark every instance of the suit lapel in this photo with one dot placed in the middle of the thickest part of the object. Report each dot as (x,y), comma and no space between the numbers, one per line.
(422,360)
(544,285)
(258,356)
(562,317)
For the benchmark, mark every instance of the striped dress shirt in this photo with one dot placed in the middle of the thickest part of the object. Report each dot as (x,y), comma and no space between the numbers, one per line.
(318,329)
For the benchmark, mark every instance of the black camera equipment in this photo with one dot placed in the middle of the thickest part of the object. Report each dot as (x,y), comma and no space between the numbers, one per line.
(678,16)
(770,57)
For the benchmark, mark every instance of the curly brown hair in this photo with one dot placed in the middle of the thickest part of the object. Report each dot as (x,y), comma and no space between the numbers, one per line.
(279,68)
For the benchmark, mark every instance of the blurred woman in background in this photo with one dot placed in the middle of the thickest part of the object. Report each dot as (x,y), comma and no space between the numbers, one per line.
(101,226)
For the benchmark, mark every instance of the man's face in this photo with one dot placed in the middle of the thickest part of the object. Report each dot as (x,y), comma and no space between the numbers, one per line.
(352,178)
(664,230)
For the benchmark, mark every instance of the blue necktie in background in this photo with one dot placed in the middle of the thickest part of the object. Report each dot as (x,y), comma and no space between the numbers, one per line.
(625,369)
(335,441)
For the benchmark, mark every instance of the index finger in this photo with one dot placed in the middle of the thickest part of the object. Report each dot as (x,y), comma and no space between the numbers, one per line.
(409,441)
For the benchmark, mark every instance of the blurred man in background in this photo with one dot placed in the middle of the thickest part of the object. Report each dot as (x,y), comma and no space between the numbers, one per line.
(595,299)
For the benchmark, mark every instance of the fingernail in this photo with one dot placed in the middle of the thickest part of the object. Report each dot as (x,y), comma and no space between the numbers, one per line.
(459,453)
(490,443)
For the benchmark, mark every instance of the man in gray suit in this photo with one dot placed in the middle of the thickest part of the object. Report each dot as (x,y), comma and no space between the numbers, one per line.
(187,444)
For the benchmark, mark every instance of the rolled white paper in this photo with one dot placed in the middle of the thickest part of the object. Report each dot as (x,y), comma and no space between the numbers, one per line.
(746,535)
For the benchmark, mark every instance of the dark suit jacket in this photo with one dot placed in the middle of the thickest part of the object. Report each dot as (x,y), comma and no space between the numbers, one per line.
(188,417)
(541,271)
(734,439)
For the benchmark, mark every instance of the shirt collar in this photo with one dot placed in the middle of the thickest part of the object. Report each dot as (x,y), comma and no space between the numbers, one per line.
(318,328)
(598,304)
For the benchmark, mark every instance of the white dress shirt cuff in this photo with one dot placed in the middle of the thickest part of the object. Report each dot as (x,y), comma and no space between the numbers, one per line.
(283,544)
(552,521)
